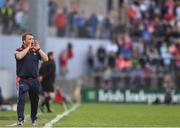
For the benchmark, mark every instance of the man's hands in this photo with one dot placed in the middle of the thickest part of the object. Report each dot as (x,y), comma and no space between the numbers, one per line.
(43,55)
(36,45)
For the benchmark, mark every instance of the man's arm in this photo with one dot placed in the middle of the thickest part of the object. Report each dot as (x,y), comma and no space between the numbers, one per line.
(43,55)
(22,53)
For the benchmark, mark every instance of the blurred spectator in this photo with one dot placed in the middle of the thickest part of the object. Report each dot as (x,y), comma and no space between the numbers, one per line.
(112,59)
(126,47)
(78,25)
(101,55)
(51,11)
(61,23)
(93,23)
(105,28)
(112,50)
(123,63)
(165,56)
(7,18)
(72,11)
(21,21)
(153,56)
(70,50)
(64,57)
(107,74)
(120,62)
(63,61)
(90,60)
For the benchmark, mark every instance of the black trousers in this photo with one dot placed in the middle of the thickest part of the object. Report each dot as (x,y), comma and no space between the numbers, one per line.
(30,86)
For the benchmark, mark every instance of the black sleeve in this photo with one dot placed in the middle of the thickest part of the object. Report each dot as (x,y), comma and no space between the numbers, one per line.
(39,56)
(42,71)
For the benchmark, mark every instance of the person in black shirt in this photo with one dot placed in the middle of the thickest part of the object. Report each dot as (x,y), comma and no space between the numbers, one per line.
(47,78)
(90,60)
(27,61)
(101,55)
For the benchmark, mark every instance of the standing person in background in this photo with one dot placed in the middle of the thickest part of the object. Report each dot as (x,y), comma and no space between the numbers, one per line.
(47,78)
(60,23)
(63,63)
(64,57)
(90,60)
(7,18)
(101,55)
(27,61)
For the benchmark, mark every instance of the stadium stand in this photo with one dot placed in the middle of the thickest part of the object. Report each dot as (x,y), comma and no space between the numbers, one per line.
(145,49)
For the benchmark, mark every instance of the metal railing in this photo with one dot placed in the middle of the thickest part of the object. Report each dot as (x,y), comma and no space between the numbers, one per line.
(133,80)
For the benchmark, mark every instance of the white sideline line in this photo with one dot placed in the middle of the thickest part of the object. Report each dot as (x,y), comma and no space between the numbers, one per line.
(60,116)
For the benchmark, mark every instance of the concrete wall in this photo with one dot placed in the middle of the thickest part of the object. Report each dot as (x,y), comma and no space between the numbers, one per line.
(77,66)
(5,83)
(8,45)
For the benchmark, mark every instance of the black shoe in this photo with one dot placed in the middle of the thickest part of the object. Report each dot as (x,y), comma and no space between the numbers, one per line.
(20,122)
(49,111)
(34,122)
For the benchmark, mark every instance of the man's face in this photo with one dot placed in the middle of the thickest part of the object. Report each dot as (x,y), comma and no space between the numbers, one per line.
(29,40)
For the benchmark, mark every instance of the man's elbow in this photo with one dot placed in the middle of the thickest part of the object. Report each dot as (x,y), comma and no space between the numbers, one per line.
(45,58)
(18,56)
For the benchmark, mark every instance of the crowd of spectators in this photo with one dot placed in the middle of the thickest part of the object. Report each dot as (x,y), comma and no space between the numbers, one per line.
(13,16)
(137,63)
(146,18)
(68,21)
(145,56)
(73,22)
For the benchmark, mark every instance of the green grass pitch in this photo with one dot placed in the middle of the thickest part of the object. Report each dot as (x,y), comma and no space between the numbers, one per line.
(105,115)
